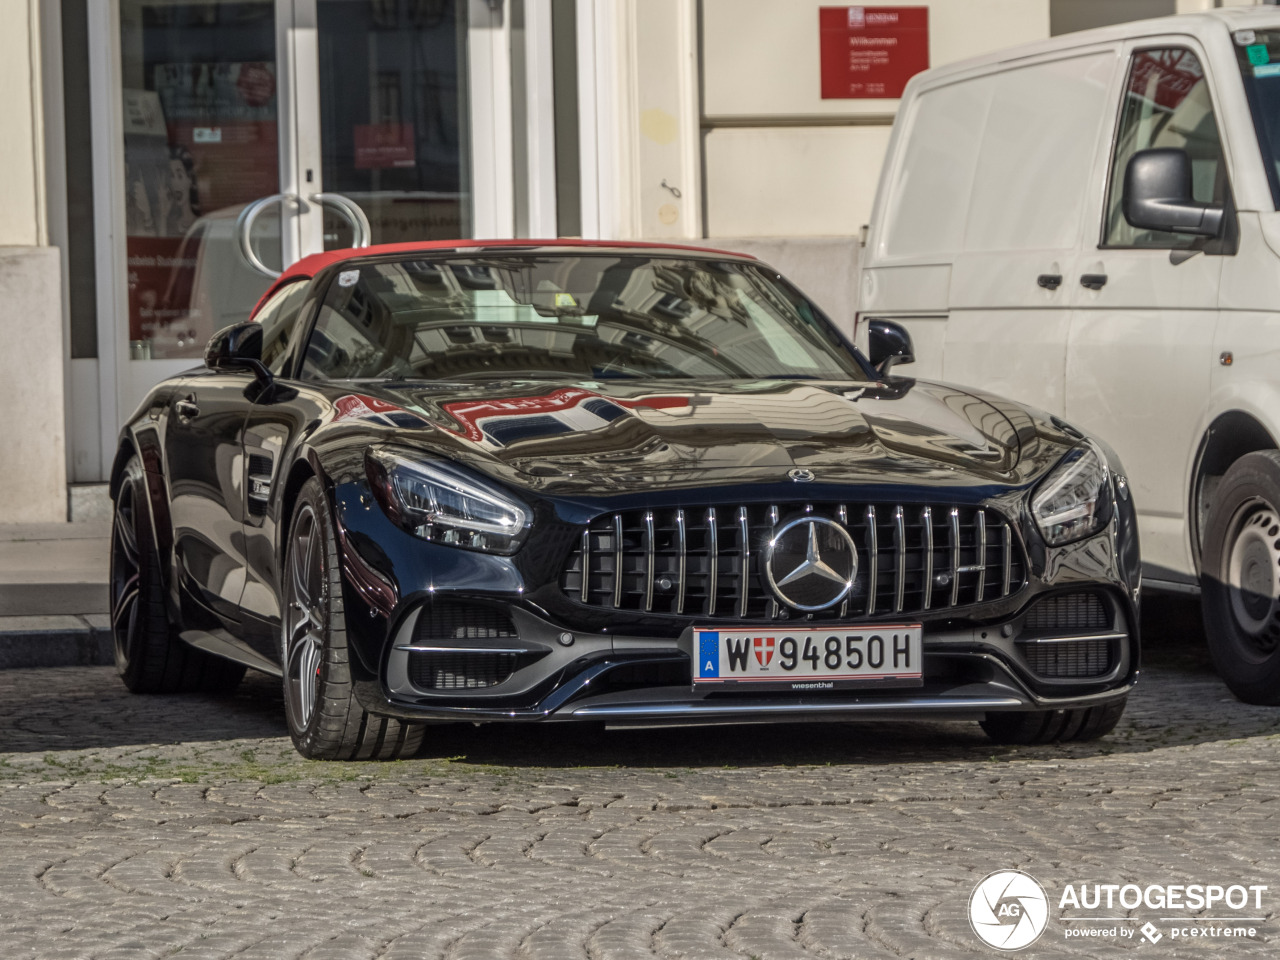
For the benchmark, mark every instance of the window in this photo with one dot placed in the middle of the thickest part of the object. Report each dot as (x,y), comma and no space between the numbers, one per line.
(278,317)
(1166,104)
(583,317)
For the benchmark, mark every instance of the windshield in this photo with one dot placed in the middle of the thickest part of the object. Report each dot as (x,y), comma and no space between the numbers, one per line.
(591,316)
(1258,52)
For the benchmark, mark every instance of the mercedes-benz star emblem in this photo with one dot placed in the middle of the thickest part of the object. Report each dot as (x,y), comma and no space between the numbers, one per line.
(800,474)
(811,563)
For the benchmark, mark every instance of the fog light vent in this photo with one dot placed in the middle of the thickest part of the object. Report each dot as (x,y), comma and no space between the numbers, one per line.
(456,620)
(1069,659)
(1067,612)
(462,670)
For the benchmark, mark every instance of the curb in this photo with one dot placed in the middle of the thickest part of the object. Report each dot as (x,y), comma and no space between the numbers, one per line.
(57,641)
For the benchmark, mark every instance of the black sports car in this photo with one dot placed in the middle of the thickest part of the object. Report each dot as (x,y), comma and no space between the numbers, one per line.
(518,481)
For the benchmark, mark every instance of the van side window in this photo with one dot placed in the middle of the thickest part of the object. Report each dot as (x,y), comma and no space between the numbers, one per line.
(1166,104)
(278,317)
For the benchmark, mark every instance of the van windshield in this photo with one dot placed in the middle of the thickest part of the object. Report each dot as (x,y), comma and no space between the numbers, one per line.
(1258,53)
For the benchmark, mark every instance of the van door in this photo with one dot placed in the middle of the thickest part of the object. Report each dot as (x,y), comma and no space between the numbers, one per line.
(1009,299)
(1140,354)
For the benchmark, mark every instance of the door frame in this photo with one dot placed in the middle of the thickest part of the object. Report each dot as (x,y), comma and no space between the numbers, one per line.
(122,382)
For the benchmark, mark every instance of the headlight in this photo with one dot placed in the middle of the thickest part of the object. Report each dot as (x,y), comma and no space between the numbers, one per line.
(437,501)
(1074,501)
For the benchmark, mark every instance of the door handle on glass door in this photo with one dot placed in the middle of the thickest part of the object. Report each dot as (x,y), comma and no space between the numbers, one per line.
(186,409)
(1050,281)
(1094,281)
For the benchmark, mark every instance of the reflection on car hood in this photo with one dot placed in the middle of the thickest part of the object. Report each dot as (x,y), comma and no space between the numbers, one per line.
(604,437)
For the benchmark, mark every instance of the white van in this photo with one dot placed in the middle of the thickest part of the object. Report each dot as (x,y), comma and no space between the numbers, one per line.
(1090,225)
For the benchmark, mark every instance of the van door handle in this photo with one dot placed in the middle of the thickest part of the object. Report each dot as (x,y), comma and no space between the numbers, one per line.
(1050,281)
(186,409)
(1094,281)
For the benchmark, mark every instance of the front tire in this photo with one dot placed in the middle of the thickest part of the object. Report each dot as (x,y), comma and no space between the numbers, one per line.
(148,659)
(326,720)
(1240,578)
(1054,726)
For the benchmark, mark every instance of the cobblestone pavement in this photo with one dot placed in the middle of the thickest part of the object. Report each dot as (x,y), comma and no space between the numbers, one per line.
(139,827)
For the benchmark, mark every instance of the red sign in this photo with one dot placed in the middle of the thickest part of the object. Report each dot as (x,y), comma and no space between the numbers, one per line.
(871,52)
(383,145)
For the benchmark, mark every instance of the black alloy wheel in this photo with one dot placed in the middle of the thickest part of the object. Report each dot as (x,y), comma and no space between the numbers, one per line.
(147,658)
(1240,578)
(326,720)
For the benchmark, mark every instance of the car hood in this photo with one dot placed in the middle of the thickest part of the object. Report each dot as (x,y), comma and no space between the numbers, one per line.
(608,437)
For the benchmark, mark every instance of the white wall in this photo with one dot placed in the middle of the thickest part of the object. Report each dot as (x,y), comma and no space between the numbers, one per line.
(33,467)
(780,160)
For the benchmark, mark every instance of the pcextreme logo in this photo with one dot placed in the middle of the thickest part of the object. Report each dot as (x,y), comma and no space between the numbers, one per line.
(1008,910)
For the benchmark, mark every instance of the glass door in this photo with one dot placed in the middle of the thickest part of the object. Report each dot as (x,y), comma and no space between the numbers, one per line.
(256,132)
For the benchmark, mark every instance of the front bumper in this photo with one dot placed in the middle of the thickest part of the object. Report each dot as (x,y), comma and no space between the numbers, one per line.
(969,671)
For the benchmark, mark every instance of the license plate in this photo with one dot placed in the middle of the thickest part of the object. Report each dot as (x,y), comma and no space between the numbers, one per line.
(811,659)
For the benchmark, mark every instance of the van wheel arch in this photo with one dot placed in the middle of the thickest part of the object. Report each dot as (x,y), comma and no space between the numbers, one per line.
(1228,438)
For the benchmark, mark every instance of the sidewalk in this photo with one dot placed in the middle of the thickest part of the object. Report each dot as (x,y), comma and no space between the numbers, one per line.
(53,594)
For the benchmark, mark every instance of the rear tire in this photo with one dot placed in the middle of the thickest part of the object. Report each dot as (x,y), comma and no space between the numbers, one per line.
(326,720)
(1240,578)
(1054,726)
(148,658)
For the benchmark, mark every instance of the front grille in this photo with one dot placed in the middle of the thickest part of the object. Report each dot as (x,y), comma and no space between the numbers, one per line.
(461,670)
(707,562)
(1068,611)
(1066,659)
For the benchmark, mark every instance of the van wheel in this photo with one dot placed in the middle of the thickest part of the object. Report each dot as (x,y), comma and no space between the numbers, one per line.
(326,720)
(148,659)
(1054,726)
(1240,578)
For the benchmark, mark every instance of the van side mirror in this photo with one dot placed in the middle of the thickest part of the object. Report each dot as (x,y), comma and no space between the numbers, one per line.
(1157,195)
(238,346)
(888,344)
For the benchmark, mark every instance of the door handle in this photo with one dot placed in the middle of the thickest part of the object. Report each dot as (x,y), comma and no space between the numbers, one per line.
(186,409)
(244,231)
(1094,281)
(1050,281)
(349,210)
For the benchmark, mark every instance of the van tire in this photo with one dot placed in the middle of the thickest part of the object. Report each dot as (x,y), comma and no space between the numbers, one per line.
(1054,726)
(1240,578)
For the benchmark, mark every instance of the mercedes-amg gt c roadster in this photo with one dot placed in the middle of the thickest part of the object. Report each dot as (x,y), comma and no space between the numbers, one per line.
(607,482)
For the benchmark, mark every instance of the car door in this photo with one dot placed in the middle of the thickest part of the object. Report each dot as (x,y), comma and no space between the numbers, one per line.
(1140,354)
(1010,307)
(272,424)
(204,460)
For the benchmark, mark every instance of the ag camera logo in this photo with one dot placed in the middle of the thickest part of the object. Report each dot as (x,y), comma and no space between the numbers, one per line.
(1008,910)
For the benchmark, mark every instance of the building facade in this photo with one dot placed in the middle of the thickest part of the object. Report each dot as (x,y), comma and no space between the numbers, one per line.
(164,158)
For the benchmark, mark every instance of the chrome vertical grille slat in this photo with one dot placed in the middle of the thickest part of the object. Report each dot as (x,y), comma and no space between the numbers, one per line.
(713,551)
(617,560)
(980,520)
(954,521)
(873,557)
(926,521)
(900,559)
(684,552)
(1008,555)
(913,558)
(649,560)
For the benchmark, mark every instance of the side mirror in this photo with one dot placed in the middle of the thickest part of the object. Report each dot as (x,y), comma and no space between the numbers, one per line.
(237,347)
(1157,195)
(888,344)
